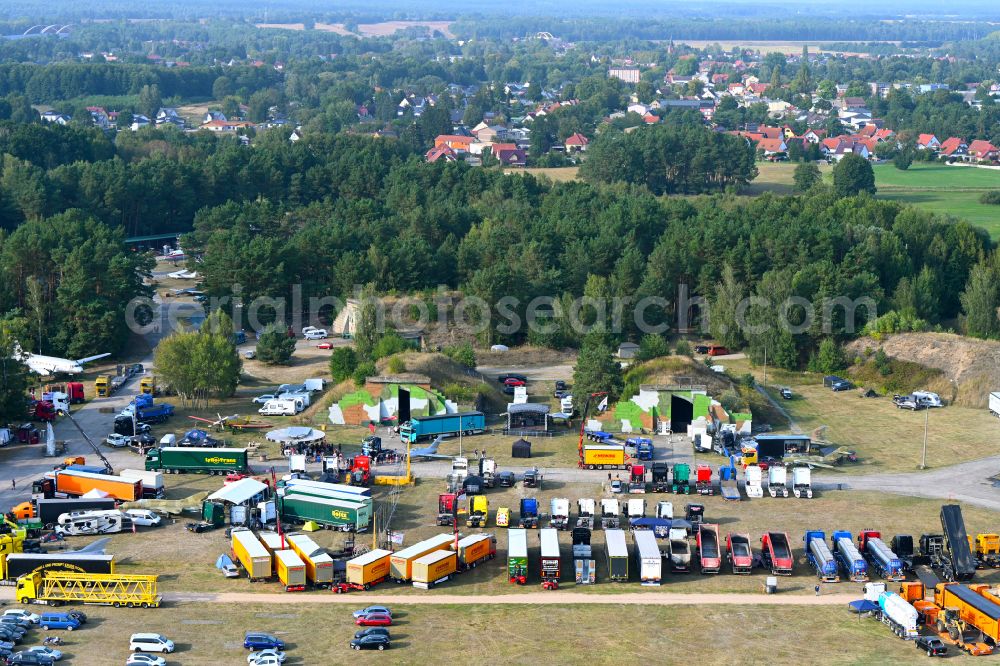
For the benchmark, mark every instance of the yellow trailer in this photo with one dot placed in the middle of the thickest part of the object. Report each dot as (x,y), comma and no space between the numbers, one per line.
(401,564)
(252,554)
(291,570)
(61,587)
(319,565)
(368,569)
(434,568)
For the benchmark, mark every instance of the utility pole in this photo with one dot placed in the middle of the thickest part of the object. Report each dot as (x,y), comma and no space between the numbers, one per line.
(923,457)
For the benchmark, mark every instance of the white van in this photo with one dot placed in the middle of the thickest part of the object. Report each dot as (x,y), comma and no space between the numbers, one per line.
(144,517)
(278,407)
(150,643)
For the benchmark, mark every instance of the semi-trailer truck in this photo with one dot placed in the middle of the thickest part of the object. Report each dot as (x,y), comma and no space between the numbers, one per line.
(517,556)
(617,555)
(649,561)
(422,427)
(63,587)
(194,459)
(401,562)
(819,556)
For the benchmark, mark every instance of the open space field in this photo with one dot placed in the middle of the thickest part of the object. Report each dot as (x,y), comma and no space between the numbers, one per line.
(211,634)
(884,437)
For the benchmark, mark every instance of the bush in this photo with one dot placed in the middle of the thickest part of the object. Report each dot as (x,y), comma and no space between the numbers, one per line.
(363,372)
(462,354)
(397,365)
(683,348)
(992,197)
(274,347)
(343,362)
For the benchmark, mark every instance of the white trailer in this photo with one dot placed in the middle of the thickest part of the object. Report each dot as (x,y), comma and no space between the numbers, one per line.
(648,558)
(752,480)
(995,403)
(802,482)
(777,481)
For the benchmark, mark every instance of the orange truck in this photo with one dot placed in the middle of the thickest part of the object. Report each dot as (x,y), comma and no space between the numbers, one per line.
(73,483)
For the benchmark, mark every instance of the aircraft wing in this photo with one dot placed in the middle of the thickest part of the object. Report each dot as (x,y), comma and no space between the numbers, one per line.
(81,361)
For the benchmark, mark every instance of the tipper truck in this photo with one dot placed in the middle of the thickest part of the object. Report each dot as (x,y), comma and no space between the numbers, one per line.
(73,484)
(709,550)
(343,515)
(479,510)
(401,563)
(184,459)
(365,570)
(434,568)
(777,553)
(819,556)
(585,508)
(956,563)
(777,480)
(62,587)
(291,570)
(739,553)
(583,557)
(517,556)
(680,550)
(752,482)
(661,477)
(703,480)
(649,561)
(551,559)
(617,555)
(849,558)
(319,564)
(604,456)
(610,514)
(802,482)
(475,549)
(559,513)
(681,482)
(880,556)
(251,554)
(529,513)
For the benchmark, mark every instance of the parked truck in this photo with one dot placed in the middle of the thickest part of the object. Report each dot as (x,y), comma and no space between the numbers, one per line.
(709,549)
(365,570)
(680,550)
(475,549)
(401,562)
(617,555)
(610,514)
(551,559)
(802,481)
(423,427)
(585,508)
(776,551)
(849,558)
(62,587)
(819,556)
(343,515)
(559,513)
(585,568)
(648,559)
(517,556)
(660,472)
(703,480)
(319,564)
(681,482)
(528,518)
(752,480)
(739,553)
(69,483)
(604,456)
(956,562)
(251,554)
(777,480)
(194,459)
(479,511)
(880,557)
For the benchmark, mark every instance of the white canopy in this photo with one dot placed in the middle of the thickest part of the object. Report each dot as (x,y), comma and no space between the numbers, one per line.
(239,492)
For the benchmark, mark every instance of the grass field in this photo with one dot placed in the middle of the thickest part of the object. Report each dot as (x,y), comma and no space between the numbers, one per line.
(210,634)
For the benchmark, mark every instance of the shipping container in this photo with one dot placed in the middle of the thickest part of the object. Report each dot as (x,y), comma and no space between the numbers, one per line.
(319,564)
(648,557)
(617,555)
(19,564)
(476,548)
(80,483)
(340,514)
(291,570)
(401,565)
(517,556)
(370,568)
(251,553)
(434,568)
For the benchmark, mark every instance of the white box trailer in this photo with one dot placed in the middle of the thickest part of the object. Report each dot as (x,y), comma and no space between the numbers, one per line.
(648,557)
(995,403)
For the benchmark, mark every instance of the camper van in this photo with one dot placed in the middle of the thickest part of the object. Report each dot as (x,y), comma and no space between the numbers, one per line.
(86,523)
(279,407)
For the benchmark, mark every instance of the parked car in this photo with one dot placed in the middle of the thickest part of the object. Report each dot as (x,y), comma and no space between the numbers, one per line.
(58,621)
(140,659)
(116,441)
(372,642)
(932,645)
(45,649)
(374,620)
(258,640)
(270,652)
(369,631)
(315,334)
(145,642)
(785,393)
(23,614)
(384,610)
(506,479)
(262,399)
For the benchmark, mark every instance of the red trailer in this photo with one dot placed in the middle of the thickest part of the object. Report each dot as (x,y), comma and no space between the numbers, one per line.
(709,552)
(703,480)
(739,553)
(776,552)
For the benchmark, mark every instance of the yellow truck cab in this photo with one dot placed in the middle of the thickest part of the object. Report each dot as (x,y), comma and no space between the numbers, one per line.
(503,517)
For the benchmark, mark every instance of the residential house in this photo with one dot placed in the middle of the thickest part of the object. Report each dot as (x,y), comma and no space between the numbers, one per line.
(576,143)
(459,144)
(928,142)
(953,147)
(982,151)
(513,158)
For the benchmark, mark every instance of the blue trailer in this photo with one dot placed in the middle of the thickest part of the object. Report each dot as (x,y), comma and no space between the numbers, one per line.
(422,427)
(850,560)
(819,556)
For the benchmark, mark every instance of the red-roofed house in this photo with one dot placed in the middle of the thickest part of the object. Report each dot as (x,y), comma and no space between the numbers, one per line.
(928,142)
(440,153)
(576,143)
(457,142)
(982,150)
(954,147)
